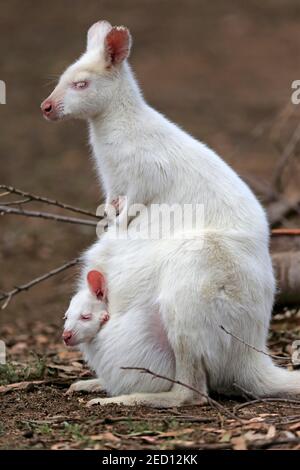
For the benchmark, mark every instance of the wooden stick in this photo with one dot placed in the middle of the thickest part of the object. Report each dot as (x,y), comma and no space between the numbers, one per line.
(279,232)
(284,358)
(45,200)
(4,210)
(9,295)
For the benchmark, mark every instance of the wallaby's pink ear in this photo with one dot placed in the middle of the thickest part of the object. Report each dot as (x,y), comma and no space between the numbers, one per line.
(117,45)
(97,33)
(97,284)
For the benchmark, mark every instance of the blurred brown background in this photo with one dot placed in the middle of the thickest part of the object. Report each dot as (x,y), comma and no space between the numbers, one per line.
(222,70)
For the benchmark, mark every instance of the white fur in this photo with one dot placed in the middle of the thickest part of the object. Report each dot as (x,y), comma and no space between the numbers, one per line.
(228,281)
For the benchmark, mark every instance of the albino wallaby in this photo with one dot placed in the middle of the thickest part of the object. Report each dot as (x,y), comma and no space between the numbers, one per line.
(133,336)
(225,281)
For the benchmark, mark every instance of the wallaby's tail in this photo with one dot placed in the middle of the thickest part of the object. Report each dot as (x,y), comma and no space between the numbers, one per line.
(263,379)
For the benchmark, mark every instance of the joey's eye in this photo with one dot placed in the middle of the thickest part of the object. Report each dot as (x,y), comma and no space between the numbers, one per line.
(81,85)
(85,316)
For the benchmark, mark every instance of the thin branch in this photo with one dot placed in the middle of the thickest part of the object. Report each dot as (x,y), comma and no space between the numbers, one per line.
(16,203)
(185,418)
(45,200)
(266,400)
(4,210)
(210,401)
(278,232)
(24,287)
(284,358)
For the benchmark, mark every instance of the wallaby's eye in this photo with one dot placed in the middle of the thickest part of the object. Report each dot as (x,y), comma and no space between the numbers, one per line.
(85,316)
(81,85)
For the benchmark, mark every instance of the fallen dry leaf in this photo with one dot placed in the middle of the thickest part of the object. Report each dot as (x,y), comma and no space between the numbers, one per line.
(66,355)
(181,432)
(67,369)
(18,348)
(226,437)
(239,443)
(106,436)
(20,386)
(294,427)
(256,426)
(254,436)
(77,365)
(60,446)
(214,430)
(271,432)
(42,339)
(258,419)
(149,439)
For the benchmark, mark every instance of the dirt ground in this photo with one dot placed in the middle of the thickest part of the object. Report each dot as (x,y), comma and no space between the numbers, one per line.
(223,71)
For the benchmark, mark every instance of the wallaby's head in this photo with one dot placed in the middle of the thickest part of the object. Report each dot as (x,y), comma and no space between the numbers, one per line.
(87,86)
(87,311)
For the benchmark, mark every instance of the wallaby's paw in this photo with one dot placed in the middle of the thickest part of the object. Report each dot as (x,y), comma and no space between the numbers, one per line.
(92,385)
(97,401)
(127,400)
(152,400)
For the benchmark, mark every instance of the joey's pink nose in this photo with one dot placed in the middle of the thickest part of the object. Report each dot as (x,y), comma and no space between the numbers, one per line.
(67,336)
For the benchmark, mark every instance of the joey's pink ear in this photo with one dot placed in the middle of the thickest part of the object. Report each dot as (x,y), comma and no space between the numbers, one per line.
(97,284)
(117,45)
(97,33)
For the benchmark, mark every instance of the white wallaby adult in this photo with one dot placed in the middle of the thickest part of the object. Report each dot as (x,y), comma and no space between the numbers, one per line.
(227,278)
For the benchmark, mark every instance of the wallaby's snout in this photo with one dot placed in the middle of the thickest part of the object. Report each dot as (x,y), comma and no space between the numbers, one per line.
(67,337)
(50,110)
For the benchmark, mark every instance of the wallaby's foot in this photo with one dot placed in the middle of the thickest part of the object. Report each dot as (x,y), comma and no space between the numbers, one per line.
(154,400)
(92,385)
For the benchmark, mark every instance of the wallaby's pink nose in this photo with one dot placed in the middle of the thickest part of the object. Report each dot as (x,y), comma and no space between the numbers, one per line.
(47,107)
(67,336)
(50,110)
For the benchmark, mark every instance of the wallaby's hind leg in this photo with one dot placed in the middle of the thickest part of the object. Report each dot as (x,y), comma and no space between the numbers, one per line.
(186,371)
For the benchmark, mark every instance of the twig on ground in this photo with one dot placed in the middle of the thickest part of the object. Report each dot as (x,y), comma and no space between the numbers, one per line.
(9,295)
(45,200)
(210,401)
(265,443)
(253,347)
(185,418)
(266,400)
(4,210)
(256,444)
